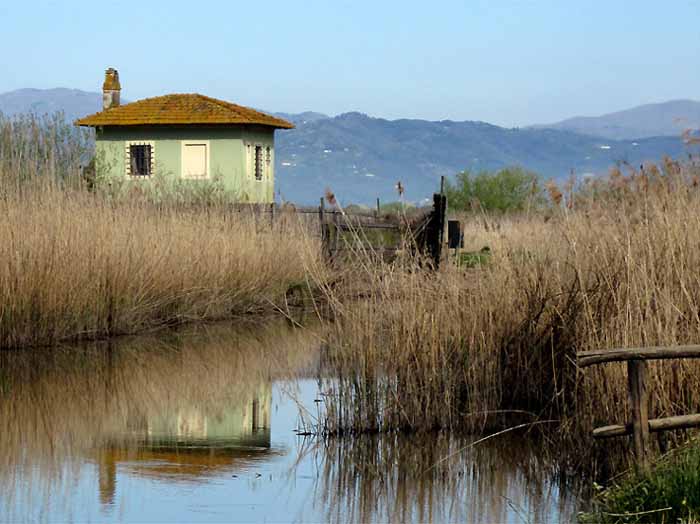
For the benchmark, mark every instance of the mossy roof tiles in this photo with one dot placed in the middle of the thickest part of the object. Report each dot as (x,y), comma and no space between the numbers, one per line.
(181,109)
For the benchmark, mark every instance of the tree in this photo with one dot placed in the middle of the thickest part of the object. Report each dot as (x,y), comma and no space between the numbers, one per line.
(510,189)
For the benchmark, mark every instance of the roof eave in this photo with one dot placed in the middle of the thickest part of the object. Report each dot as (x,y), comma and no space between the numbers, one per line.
(86,123)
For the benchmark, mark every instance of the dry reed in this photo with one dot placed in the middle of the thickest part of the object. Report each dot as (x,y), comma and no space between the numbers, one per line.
(615,268)
(79,266)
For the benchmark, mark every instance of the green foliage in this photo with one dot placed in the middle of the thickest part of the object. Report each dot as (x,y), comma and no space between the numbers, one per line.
(673,483)
(474,259)
(510,189)
(395,207)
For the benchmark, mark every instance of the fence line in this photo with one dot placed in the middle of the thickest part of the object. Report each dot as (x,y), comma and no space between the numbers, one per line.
(640,426)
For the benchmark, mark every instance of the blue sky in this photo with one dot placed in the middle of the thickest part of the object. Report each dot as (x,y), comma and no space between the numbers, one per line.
(506,62)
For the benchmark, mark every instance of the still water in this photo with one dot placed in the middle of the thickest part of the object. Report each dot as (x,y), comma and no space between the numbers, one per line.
(210,424)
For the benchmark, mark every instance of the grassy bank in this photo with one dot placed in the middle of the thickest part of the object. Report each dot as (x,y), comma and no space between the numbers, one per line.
(670,492)
(459,349)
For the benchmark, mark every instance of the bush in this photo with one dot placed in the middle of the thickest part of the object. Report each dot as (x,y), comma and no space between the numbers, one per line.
(669,493)
(510,189)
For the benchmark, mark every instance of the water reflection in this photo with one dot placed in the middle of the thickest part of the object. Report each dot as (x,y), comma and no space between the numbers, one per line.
(178,406)
(189,445)
(441,478)
(197,425)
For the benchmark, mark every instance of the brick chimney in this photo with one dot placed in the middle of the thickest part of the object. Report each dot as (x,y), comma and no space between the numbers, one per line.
(111,89)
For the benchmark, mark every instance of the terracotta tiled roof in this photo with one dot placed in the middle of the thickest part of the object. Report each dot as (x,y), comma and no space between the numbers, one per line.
(181,109)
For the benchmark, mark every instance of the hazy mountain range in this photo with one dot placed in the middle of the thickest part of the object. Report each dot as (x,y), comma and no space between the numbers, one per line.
(664,119)
(359,157)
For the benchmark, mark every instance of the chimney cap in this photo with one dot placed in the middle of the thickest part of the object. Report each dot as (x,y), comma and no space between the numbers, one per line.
(111,82)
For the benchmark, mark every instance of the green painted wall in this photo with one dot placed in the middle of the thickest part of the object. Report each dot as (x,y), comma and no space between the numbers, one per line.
(233,423)
(227,155)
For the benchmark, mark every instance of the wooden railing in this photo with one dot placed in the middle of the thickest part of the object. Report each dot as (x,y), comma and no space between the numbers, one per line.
(640,426)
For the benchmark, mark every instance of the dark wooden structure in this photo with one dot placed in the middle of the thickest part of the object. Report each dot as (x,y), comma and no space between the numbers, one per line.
(343,230)
(640,426)
(420,231)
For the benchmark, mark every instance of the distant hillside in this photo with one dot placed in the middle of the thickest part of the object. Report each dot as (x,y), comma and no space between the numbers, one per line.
(361,158)
(664,119)
(73,102)
(301,118)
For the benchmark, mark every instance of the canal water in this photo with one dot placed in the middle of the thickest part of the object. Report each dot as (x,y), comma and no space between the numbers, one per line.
(215,423)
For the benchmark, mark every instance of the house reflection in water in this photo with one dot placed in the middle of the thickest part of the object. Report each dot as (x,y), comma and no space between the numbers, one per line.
(189,443)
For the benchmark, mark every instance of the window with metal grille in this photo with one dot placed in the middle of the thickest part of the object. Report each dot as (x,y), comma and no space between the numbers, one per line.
(140,160)
(258,162)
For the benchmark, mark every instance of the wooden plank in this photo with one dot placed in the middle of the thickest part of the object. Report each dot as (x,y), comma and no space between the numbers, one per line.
(678,422)
(639,404)
(381,249)
(655,425)
(589,358)
(615,430)
(357,227)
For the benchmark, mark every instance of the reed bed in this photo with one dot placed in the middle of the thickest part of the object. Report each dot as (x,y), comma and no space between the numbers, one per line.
(76,266)
(41,149)
(83,261)
(614,266)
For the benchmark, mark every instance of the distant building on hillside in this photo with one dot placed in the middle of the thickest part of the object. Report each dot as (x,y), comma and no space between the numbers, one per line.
(190,136)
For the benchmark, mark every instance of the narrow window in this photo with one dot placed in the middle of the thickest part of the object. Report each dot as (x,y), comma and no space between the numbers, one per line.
(194,160)
(268,155)
(258,163)
(140,160)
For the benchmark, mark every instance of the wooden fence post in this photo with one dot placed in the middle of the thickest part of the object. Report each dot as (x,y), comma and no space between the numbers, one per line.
(321,211)
(639,402)
(336,231)
(378,207)
(322,224)
(435,229)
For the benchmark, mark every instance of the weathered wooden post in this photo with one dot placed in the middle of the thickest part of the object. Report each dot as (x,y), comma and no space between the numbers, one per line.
(322,224)
(378,208)
(435,229)
(336,231)
(639,404)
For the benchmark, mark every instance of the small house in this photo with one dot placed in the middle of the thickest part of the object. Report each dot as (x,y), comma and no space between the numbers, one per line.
(189,136)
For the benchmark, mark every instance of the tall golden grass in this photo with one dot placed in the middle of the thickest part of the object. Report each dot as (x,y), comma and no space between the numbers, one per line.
(75,265)
(618,267)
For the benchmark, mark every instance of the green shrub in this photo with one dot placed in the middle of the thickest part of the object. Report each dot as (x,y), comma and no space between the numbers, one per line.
(669,493)
(474,259)
(510,189)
